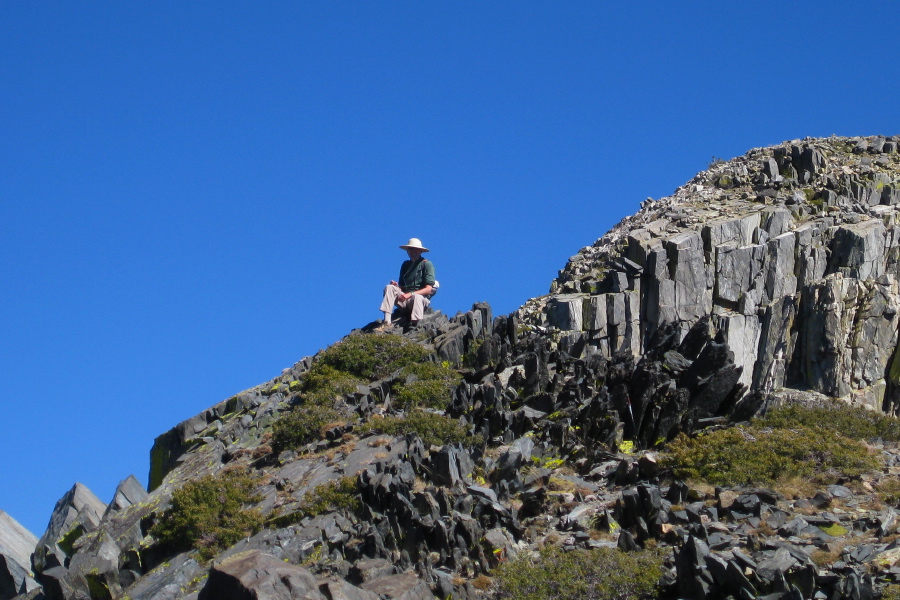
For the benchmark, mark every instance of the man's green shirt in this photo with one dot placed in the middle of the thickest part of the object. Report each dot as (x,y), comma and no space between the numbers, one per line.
(416,275)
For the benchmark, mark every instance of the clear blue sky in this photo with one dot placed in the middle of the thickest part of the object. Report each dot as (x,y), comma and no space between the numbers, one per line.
(195,195)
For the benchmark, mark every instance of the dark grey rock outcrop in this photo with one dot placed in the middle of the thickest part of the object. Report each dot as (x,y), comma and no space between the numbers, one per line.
(78,512)
(792,251)
(128,492)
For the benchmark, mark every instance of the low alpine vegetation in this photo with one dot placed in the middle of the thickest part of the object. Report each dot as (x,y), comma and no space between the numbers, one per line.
(888,491)
(320,390)
(302,425)
(601,574)
(335,495)
(854,422)
(433,429)
(427,384)
(209,514)
(356,360)
(791,442)
(324,385)
(372,357)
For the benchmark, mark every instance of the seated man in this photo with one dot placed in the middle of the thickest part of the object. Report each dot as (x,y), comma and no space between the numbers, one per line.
(413,292)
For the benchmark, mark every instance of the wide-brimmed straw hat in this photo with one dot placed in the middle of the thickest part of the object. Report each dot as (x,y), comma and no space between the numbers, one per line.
(415,243)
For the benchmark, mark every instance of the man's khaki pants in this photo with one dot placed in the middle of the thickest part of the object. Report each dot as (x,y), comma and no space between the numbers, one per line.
(415,305)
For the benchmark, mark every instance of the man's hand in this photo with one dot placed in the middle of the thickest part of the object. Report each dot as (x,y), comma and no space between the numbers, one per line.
(394,283)
(405,296)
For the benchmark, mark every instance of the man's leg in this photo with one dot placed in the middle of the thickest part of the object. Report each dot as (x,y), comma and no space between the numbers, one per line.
(419,303)
(390,299)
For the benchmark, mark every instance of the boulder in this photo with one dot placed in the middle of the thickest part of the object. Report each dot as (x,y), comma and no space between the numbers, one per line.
(341,590)
(367,569)
(405,586)
(259,576)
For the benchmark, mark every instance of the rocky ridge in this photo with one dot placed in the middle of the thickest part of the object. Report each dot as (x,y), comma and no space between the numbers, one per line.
(792,250)
(767,278)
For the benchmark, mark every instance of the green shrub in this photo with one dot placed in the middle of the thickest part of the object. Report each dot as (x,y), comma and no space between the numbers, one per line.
(302,425)
(791,441)
(854,422)
(891,592)
(430,387)
(432,428)
(888,491)
(372,357)
(335,495)
(324,384)
(208,514)
(757,455)
(599,574)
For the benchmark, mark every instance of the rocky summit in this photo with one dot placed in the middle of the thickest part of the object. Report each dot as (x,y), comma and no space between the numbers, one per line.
(700,408)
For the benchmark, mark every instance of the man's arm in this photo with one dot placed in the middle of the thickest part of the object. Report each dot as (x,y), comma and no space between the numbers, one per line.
(428,276)
(425,291)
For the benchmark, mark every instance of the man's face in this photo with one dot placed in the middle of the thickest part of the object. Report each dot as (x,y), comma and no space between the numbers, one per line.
(413,253)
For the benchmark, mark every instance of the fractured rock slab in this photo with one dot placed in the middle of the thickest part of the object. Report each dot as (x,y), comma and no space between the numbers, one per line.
(16,546)
(79,511)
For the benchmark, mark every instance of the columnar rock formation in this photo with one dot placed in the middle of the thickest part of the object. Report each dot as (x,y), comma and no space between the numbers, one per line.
(793,251)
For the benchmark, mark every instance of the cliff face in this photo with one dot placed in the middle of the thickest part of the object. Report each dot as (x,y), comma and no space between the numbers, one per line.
(16,546)
(793,252)
(767,277)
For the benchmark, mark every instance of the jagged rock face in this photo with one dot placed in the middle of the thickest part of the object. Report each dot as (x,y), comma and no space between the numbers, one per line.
(78,512)
(87,548)
(128,492)
(16,546)
(792,250)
